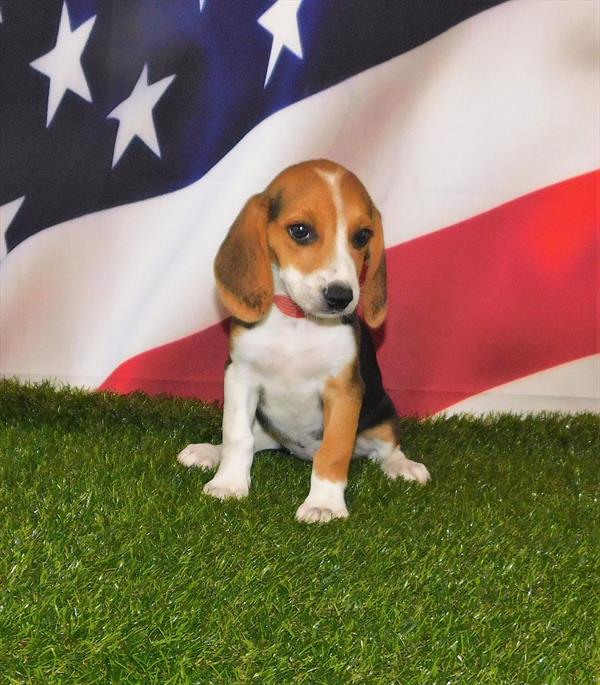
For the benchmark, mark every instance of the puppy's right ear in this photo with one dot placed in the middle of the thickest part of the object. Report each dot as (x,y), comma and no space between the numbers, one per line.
(242,264)
(374,290)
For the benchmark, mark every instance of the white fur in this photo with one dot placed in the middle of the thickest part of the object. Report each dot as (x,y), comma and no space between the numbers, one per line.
(325,501)
(233,476)
(306,289)
(397,464)
(201,455)
(342,266)
(290,360)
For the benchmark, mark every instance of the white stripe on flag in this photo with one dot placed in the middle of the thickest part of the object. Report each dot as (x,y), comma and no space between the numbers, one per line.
(502,104)
(578,383)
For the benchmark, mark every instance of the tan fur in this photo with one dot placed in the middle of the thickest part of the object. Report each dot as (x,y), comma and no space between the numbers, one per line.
(342,400)
(374,290)
(243,266)
(305,198)
(384,432)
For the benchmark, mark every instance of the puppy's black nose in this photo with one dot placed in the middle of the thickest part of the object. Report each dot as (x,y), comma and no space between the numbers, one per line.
(337,295)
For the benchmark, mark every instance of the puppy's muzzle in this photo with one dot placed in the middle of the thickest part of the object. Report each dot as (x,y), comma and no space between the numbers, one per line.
(337,296)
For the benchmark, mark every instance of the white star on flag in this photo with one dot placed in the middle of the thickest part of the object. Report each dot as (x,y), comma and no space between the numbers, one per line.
(62,65)
(135,114)
(7,214)
(281,20)
(201,4)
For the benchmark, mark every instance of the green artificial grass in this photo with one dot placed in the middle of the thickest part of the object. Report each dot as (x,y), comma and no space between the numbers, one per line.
(116,569)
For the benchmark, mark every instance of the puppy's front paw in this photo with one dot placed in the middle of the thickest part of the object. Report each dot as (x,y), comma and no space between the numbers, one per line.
(223,488)
(397,465)
(325,501)
(309,512)
(203,456)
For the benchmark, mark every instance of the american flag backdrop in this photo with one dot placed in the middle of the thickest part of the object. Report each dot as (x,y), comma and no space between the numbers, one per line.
(132,132)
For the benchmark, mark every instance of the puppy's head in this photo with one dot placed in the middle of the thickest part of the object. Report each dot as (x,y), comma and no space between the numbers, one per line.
(314,230)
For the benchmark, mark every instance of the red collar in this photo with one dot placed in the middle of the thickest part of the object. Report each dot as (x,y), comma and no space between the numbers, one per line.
(288,307)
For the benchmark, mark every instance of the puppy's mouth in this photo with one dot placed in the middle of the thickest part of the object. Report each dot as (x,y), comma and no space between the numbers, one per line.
(332,302)
(321,299)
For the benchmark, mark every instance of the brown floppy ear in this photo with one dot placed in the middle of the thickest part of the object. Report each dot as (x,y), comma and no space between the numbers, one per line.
(374,290)
(242,265)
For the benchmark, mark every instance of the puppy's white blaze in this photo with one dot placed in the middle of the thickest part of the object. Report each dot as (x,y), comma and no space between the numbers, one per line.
(324,502)
(341,267)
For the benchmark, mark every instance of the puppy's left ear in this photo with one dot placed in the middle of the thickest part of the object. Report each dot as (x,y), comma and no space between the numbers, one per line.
(374,290)
(243,266)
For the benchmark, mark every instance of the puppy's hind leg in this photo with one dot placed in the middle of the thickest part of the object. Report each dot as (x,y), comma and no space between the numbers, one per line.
(397,464)
(206,456)
(201,455)
(381,444)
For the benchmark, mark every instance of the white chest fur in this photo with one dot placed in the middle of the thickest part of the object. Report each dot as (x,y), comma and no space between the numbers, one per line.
(289,360)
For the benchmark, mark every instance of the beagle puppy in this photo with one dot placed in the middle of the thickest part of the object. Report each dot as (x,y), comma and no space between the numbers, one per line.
(302,373)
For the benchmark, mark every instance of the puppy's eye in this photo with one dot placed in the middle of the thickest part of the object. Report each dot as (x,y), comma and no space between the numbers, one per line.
(302,233)
(362,237)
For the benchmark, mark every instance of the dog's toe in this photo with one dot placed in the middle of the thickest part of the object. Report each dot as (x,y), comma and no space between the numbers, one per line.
(309,513)
(203,456)
(222,489)
(397,465)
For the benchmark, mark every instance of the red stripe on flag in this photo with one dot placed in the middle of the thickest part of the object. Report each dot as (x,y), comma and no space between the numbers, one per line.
(495,298)
(500,296)
(190,367)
